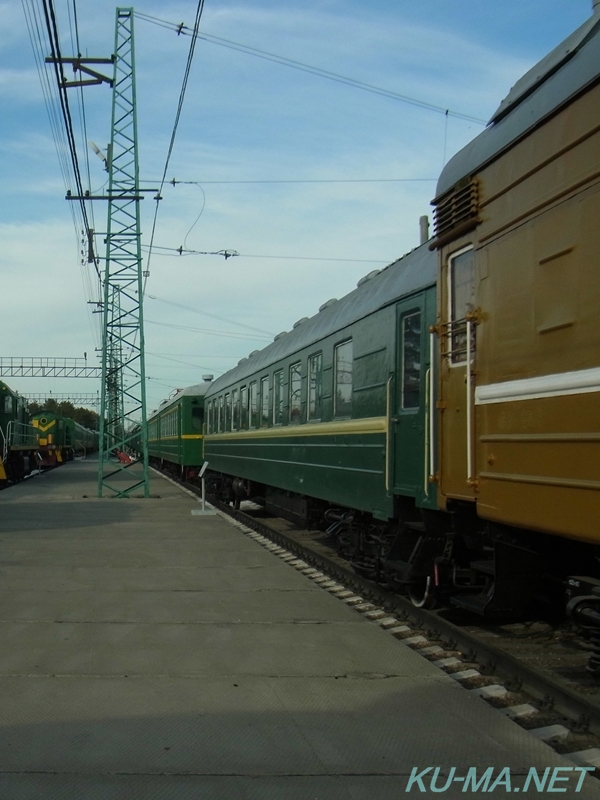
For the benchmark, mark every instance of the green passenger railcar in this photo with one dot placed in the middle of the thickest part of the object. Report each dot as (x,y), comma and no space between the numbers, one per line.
(339,408)
(175,431)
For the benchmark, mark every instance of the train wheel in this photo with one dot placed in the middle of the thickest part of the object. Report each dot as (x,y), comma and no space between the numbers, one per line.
(422,594)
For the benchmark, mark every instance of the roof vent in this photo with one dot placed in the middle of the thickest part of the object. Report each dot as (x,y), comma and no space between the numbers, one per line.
(254,353)
(305,319)
(207,378)
(328,303)
(279,335)
(241,361)
(369,277)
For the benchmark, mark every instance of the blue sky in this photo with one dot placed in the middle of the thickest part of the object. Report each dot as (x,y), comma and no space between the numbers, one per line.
(248,119)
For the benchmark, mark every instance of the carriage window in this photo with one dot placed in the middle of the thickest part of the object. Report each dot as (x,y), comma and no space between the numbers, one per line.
(315,385)
(221,415)
(411,360)
(295,393)
(461,294)
(264,401)
(227,412)
(278,397)
(343,379)
(244,408)
(234,409)
(254,405)
(197,418)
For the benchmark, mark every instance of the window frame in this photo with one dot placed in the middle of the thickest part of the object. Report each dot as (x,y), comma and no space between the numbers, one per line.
(336,414)
(234,410)
(278,397)
(264,409)
(253,405)
(244,409)
(452,360)
(291,391)
(318,415)
(417,312)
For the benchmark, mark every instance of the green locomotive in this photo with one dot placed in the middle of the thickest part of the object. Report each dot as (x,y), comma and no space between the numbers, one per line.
(59,438)
(18,439)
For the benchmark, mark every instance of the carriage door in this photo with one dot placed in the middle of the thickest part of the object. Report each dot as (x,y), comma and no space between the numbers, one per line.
(411,397)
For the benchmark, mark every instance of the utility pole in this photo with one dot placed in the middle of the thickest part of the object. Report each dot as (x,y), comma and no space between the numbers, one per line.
(123,397)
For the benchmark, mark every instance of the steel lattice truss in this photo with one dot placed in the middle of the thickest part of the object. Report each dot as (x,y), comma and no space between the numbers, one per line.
(77,399)
(45,367)
(123,399)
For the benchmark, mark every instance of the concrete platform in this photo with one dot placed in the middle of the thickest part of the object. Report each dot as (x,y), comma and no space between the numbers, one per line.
(149,653)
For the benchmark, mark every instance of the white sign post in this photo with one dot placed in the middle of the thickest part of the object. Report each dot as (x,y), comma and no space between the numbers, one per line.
(206,511)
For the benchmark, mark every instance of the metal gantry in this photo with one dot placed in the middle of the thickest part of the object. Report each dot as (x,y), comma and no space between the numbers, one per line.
(123,398)
(46,367)
(76,398)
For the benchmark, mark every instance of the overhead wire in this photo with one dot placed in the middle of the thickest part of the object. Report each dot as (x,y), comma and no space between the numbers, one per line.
(224,334)
(93,293)
(174,182)
(208,314)
(182,29)
(177,361)
(198,217)
(55,50)
(177,252)
(42,31)
(186,74)
(34,25)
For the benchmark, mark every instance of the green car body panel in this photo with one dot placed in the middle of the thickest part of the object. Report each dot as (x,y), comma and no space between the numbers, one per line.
(371,440)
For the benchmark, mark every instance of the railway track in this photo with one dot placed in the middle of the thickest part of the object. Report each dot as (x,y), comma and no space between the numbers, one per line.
(563,714)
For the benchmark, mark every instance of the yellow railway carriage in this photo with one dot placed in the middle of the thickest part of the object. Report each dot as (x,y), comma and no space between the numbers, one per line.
(518,329)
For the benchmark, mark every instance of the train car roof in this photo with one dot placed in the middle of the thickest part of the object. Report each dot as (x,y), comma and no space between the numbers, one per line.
(414,271)
(555,80)
(197,390)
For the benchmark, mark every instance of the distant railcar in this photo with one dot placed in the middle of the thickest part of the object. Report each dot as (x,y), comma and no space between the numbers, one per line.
(175,431)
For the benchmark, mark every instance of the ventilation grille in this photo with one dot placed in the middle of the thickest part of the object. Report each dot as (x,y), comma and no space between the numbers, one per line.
(456,208)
